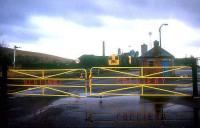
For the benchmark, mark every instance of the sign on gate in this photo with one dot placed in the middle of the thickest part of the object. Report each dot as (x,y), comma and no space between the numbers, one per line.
(48,82)
(141,81)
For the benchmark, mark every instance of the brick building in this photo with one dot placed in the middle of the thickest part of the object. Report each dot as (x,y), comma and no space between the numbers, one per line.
(157,57)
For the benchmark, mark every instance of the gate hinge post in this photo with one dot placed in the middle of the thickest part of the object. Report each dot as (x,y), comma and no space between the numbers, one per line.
(194,77)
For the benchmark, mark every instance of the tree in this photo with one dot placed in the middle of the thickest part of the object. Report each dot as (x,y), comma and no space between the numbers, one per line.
(88,61)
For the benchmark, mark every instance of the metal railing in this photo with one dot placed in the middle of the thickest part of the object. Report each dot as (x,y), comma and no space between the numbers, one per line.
(102,81)
(48,82)
(151,81)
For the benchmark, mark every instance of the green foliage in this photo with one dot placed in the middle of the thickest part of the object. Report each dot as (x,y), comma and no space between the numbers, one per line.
(29,61)
(88,61)
(4,57)
(35,62)
(187,61)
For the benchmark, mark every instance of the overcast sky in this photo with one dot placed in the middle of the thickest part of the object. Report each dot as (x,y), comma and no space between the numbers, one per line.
(71,28)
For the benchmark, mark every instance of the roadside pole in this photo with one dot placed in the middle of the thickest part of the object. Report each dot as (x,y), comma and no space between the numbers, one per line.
(194,77)
(195,91)
(3,96)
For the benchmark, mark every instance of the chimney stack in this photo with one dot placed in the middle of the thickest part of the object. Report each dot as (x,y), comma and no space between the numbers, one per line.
(143,49)
(156,43)
(103,48)
(119,51)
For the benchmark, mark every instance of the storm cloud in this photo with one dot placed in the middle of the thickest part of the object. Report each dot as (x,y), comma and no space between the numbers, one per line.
(15,14)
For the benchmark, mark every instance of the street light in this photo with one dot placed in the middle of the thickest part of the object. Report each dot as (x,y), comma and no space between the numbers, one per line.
(15,48)
(160,31)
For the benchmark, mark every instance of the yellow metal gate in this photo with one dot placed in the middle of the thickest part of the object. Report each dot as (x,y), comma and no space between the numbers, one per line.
(48,82)
(103,81)
(141,81)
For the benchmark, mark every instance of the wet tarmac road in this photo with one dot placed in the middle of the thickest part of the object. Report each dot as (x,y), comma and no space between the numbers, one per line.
(118,111)
(115,111)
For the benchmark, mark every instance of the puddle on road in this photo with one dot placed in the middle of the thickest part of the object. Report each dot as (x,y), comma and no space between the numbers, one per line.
(112,111)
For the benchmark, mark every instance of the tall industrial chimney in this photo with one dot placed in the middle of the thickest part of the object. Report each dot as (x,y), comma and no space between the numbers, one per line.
(143,49)
(103,48)
(150,43)
(119,51)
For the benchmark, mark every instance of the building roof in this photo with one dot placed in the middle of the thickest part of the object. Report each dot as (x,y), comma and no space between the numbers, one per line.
(157,52)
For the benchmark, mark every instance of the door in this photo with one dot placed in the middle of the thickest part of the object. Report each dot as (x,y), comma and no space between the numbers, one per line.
(165,65)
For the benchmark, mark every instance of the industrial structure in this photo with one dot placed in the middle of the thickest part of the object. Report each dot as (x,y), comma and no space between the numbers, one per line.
(103,48)
(143,49)
(113,60)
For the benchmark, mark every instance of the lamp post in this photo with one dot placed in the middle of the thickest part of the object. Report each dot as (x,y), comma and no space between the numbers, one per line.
(160,31)
(15,48)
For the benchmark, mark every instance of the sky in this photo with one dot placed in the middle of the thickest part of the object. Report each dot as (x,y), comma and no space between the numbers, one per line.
(71,28)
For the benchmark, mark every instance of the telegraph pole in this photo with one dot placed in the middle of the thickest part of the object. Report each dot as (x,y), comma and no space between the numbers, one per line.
(15,48)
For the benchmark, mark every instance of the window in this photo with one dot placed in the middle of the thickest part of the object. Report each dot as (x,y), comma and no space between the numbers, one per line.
(151,63)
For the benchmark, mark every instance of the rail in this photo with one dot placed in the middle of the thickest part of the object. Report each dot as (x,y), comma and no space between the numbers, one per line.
(151,81)
(47,82)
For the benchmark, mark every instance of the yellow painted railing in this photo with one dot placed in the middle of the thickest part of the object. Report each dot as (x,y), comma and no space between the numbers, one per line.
(102,81)
(145,81)
(48,82)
